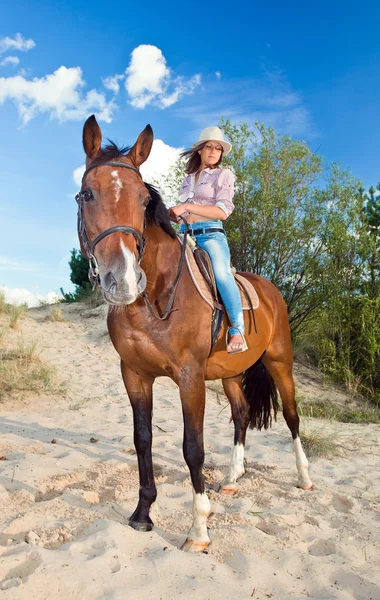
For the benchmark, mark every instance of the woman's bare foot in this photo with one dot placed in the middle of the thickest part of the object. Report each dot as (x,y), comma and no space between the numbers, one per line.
(236,344)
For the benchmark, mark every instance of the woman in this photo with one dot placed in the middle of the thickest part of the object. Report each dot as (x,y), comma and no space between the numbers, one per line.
(206,200)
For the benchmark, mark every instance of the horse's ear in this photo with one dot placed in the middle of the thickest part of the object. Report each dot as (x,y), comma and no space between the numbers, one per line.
(92,137)
(141,150)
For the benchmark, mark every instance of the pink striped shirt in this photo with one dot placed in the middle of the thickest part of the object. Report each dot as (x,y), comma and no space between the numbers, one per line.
(215,187)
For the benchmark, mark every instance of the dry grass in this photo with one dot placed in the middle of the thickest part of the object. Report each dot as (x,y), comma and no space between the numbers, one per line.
(319,444)
(323,409)
(93,300)
(3,333)
(15,313)
(56,315)
(3,304)
(22,371)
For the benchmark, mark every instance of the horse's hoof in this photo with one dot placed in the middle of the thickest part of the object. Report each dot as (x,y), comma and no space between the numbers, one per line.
(194,546)
(229,489)
(306,488)
(140,526)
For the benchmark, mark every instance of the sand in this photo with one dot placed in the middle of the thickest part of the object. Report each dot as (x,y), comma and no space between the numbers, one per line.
(69,482)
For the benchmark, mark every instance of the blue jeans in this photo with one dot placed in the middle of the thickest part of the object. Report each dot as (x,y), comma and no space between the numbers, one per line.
(216,246)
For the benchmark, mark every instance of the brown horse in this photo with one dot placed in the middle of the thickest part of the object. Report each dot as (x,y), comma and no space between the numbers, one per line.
(126,233)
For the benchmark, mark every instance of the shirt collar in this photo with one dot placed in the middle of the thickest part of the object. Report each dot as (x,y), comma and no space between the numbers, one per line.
(210,171)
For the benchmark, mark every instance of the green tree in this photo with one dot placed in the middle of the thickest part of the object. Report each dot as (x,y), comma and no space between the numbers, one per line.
(79,276)
(282,210)
(79,268)
(371,212)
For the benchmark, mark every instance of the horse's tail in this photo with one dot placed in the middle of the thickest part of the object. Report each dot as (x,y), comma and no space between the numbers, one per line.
(261,394)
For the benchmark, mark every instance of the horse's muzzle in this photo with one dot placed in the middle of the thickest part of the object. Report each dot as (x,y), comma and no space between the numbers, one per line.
(122,291)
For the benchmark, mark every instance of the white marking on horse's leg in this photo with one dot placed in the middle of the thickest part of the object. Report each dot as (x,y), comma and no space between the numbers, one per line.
(130,272)
(117,184)
(304,481)
(236,469)
(198,537)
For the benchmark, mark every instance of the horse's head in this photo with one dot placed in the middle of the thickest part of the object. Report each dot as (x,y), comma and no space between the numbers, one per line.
(112,206)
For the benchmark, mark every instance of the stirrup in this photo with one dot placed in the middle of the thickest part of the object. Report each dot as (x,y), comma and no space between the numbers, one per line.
(244,346)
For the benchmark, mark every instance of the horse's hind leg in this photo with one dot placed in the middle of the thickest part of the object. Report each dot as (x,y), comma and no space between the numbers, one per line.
(233,388)
(141,396)
(281,371)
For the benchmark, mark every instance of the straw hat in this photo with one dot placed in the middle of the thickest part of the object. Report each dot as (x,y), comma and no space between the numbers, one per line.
(213,134)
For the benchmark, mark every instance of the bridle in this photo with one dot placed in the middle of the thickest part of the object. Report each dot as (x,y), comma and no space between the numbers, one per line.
(93,272)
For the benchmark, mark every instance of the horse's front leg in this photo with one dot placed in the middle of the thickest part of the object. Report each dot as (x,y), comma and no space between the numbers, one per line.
(193,392)
(140,394)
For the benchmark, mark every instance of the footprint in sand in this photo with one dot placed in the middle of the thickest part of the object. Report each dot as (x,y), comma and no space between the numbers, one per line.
(322,548)
(359,587)
(114,564)
(343,504)
(97,549)
(18,574)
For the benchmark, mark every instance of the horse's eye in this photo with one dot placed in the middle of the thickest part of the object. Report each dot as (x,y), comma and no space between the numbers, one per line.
(147,200)
(87,195)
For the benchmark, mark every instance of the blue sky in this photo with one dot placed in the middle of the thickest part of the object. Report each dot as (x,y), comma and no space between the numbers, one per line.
(311,70)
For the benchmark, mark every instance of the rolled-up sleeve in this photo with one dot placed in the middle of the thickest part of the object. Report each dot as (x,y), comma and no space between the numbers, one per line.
(184,191)
(225,191)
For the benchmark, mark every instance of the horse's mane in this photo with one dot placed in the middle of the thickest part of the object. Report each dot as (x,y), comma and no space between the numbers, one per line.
(156,210)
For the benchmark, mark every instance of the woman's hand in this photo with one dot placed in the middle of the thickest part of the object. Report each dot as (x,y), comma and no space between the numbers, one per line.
(176,211)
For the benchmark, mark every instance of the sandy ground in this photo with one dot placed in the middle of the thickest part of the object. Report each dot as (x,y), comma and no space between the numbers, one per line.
(69,481)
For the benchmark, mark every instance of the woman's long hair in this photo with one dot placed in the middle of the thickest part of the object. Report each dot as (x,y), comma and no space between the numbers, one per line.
(194,159)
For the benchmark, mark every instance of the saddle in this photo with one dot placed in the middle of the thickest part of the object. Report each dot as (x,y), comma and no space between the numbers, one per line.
(202,274)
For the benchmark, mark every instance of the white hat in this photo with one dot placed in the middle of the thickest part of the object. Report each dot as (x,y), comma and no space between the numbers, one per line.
(213,134)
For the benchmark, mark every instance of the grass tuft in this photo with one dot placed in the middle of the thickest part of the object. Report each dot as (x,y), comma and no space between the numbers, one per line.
(3,333)
(56,315)
(3,304)
(22,371)
(322,409)
(15,314)
(317,443)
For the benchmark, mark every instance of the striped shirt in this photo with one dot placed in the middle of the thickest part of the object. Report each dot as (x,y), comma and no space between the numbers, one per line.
(215,187)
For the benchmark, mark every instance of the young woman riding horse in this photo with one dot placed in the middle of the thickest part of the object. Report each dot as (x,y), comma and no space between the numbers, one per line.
(125,232)
(206,196)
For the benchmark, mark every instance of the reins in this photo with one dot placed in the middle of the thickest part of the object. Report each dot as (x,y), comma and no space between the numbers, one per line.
(168,308)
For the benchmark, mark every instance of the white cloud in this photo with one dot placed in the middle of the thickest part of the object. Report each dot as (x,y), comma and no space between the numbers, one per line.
(158,170)
(270,99)
(160,161)
(150,81)
(147,75)
(20,296)
(182,88)
(218,75)
(9,60)
(7,264)
(58,94)
(17,43)
(112,83)
(78,174)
